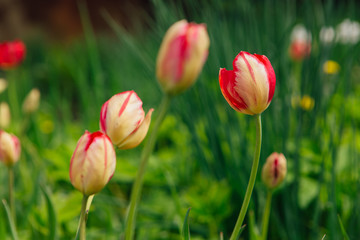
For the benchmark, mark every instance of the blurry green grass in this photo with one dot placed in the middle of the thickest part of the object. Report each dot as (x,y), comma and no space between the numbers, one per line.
(204,150)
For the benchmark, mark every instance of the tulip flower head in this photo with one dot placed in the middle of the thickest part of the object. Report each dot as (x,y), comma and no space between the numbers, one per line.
(11,54)
(31,102)
(300,46)
(249,88)
(9,148)
(274,170)
(5,115)
(92,163)
(182,55)
(123,119)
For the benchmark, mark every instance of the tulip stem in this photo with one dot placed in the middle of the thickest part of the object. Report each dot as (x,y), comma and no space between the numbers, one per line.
(137,186)
(251,183)
(266,215)
(11,193)
(83,216)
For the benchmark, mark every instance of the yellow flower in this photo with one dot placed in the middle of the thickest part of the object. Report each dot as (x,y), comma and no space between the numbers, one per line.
(331,67)
(307,103)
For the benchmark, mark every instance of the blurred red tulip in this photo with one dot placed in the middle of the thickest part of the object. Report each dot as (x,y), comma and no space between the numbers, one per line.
(11,54)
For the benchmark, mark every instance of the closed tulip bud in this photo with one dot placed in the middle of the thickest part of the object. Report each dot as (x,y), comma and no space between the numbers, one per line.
(300,46)
(31,102)
(249,88)
(123,119)
(9,148)
(11,54)
(3,85)
(5,115)
(92,163)
(182,55)
(274,170)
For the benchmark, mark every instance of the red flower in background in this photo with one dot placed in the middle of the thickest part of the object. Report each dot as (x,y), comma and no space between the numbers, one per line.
(11,54)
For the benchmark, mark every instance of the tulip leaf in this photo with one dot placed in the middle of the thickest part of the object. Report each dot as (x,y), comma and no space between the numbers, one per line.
(346,237)
(186,229)
(11,222)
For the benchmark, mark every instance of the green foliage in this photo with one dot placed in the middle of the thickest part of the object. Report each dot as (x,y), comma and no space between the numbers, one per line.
(202,157)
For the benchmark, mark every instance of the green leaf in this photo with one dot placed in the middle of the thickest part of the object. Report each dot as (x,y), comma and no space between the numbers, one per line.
(51,214)
(186,229)
(346,237)
(11,222)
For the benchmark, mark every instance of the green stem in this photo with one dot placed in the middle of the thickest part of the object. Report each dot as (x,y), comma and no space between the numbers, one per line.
(82,222)
(13,99)
(252,179)
(11,193)
(266,215)
(137,187)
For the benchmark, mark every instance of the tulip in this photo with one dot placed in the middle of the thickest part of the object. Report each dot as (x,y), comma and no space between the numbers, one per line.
(5,115)
(11,54)
(249,88)
(182,55)
(3,85)
(93,163)
(9,148)
(274,170)
(123,119)
(300,46)
(31,102)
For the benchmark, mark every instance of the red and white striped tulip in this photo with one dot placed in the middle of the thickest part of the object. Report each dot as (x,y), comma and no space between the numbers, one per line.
(123,119)
(249,88)
(182,55)
(92,163)
(9,148)
(274,170)
(300,46)
(11,54)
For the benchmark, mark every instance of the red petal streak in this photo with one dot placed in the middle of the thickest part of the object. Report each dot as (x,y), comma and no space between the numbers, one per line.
(103,114)
(276,169)
(270,74)
(227,84)
(76,149)
(123,106)
(92,138)
(242,54)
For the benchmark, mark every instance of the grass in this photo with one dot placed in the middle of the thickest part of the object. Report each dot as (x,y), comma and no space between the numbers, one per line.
(202,158)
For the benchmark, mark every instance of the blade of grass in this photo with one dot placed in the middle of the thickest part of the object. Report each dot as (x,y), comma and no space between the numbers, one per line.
(346,237)
(186,229)
(10,220)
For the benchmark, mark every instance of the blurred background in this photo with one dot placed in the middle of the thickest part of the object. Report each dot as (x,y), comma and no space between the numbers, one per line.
(80,53)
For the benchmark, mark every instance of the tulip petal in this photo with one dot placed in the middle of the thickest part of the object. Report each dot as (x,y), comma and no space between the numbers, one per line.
(138,135)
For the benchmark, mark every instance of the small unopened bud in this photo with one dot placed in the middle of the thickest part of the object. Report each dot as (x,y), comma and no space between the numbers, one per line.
(3,85)
(9,148)
(5,116)
(274,170)
(31,102)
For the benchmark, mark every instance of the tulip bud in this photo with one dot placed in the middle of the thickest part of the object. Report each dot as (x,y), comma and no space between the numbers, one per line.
(11,54)
(5,115)
(274,170)
(123,119)
(3,85)
(300,46)
(31,102)
(9,148)
(93,163)
(182,55)
(249,88)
